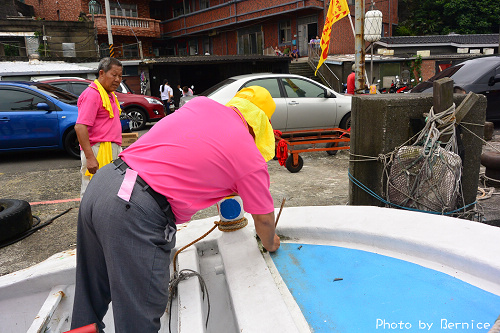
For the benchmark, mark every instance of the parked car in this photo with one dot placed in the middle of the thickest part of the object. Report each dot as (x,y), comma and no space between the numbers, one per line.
(301,103)
(140,109)
(37,116)
(479,75)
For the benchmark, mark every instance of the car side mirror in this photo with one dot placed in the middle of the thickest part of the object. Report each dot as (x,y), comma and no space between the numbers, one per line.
(493,80)
(43,106)
(329,94)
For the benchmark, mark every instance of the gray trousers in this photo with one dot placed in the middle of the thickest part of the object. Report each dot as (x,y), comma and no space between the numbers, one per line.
(122,256)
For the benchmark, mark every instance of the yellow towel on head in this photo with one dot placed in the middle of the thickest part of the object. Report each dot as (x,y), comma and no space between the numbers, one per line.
(257,106)
(106,103)
(104,156)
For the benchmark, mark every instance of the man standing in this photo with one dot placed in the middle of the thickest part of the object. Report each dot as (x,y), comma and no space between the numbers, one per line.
(351,81)
(98,124)
(166,93)
(185,163)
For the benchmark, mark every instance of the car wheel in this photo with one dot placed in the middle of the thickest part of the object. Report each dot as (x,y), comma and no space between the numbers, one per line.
(71,144)
(294,168)
(137,119)
(15,218)
(346,121)
(332,144)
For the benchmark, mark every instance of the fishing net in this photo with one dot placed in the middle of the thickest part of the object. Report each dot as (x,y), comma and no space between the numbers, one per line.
(426,175)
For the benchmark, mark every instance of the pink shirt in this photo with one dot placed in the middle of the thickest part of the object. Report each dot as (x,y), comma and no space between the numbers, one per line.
(91,113)
(200,154)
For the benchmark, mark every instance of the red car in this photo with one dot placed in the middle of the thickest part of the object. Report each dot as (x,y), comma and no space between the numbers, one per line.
(140,109)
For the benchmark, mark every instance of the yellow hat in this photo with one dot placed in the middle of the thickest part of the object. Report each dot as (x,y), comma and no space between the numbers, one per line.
(257,106)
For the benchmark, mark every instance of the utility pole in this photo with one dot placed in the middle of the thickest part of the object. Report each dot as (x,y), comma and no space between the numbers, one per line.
(360,46)
(108,25)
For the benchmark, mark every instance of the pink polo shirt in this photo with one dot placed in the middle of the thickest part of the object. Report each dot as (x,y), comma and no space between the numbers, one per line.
(200,154)
(101,128)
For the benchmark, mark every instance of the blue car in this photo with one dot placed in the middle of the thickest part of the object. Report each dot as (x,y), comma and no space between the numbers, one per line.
(36,116)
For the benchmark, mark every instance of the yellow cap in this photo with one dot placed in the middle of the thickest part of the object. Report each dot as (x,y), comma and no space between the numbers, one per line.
(260,97)
(257,106)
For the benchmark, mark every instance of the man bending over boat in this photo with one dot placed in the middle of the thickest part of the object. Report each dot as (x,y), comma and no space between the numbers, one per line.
(186,162)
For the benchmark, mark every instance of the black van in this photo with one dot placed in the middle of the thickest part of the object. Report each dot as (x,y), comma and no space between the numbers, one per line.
(479,75)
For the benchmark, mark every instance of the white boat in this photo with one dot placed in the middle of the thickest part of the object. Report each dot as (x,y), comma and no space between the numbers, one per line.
(339,269)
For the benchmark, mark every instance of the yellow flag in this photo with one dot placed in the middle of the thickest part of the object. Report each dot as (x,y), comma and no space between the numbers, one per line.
(337,10)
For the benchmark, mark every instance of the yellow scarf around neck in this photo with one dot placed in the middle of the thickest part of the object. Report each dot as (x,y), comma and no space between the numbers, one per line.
(106,103)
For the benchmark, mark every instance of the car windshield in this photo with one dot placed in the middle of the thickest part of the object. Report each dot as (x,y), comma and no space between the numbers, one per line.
(217,87)
(60,94)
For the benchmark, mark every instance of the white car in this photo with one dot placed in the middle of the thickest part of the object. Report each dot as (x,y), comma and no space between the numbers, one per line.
(301,103)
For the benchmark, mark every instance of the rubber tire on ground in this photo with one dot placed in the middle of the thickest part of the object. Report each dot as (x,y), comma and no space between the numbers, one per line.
(71,144)
(332,144)
(294,168)
(137,119)
(15,218)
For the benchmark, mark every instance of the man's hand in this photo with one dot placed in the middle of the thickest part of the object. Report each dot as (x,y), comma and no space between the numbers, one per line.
(264,226)
(92,164)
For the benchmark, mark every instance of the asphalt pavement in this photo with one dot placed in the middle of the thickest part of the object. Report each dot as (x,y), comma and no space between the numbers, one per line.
(50,181)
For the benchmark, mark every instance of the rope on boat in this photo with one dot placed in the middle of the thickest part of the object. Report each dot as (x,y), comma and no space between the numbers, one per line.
(225,226)
(172,291)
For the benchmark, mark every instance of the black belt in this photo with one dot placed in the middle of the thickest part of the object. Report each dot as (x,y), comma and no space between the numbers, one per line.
(160,199)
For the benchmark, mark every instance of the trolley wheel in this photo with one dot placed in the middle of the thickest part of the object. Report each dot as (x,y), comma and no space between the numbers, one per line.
(332,144)
(294,168)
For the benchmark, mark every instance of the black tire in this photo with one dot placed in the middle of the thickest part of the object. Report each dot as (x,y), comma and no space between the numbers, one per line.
(346,122)
(137,118)
(71,144)
(294,168)
(15,218)
(332,144)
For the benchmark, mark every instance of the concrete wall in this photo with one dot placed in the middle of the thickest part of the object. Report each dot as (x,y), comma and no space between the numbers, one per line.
(382,122)
(58,32)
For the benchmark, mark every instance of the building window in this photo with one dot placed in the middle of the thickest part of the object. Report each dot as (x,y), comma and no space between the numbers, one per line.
(285,32)
(181,49)
(95,7)
(251,41)
(104,50)
(58,15)
(204,4)
(11,49)
(123,9)
(178,9)
(207,46)
(193,47)
(130,51)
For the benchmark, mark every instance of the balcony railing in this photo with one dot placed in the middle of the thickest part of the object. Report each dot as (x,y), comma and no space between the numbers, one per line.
(123,26)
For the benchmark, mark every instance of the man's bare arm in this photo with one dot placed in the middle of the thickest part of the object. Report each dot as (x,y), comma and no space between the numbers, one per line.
(264,226)
(83,138)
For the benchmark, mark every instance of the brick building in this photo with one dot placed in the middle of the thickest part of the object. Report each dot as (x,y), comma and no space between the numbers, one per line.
(131,24)
(225,27)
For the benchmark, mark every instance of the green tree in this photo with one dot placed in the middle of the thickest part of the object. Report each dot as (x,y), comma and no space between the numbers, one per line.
(441,17)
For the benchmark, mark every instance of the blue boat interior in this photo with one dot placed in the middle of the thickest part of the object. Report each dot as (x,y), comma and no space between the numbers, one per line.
(347,290)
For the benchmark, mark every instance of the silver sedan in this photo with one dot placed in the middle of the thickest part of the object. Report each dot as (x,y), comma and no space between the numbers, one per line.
(301,103)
